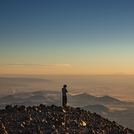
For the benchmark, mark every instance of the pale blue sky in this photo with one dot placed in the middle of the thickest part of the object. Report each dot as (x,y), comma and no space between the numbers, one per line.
(89,35)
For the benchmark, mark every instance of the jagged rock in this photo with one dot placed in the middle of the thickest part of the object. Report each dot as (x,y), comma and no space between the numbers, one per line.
(55,120)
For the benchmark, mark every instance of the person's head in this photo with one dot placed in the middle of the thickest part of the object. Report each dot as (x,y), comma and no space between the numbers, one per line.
(65,86)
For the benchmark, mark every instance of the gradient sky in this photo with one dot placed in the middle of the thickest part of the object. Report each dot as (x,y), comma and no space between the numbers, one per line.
(66,37)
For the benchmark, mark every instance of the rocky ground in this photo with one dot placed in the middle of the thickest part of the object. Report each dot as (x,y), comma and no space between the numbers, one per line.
(55,120)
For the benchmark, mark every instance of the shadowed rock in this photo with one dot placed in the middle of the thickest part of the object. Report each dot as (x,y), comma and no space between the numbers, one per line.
(55,120)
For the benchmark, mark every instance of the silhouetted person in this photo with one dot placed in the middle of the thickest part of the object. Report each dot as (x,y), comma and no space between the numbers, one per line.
(64,95)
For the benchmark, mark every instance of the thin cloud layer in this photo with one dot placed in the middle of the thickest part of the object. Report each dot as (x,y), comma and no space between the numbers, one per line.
(42,65)
(35,68)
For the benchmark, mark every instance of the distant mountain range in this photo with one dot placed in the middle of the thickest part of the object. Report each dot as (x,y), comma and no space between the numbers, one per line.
(86,99)
(108,107)
(54,97)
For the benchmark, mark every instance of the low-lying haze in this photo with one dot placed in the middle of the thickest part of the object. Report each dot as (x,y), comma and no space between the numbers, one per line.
(121,87)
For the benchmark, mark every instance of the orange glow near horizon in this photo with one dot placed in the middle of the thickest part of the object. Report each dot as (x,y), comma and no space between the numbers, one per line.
(65,69)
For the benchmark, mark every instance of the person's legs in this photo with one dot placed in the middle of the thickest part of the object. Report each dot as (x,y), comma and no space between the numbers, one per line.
(64,100)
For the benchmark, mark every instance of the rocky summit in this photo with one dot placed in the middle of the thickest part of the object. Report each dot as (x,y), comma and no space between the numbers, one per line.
(55,120)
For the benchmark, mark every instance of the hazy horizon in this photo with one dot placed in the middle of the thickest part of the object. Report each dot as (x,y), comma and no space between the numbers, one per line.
(118,86)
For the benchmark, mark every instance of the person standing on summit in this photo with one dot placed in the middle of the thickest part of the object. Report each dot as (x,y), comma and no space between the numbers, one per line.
(64,95)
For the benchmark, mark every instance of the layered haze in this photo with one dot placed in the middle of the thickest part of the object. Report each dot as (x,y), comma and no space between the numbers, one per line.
(118,86)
